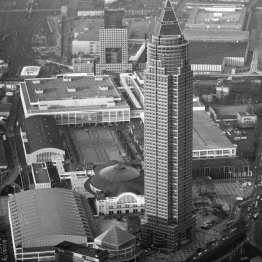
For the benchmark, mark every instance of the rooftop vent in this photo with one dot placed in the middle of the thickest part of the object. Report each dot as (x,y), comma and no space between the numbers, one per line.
(103,88)
(99,78)
(39,91)
(36,82)
(71,89)
(67,79)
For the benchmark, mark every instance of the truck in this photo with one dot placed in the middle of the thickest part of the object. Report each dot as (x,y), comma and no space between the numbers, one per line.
(239,198)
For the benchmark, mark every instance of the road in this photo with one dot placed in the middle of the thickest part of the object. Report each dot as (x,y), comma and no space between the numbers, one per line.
(35,10)
(18,30)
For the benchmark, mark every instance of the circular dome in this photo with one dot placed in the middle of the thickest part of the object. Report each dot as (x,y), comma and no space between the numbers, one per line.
(114,178)
(118,173)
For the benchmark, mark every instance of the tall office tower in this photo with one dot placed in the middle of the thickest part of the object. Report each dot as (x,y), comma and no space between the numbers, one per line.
(113,39)
(113,18)
(168,220)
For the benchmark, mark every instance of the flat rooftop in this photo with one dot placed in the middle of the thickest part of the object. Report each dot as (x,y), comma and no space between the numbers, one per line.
(88,29)
(215,35)
(206,134)
(132,49)
(30,71)
(57,88)
(198,105)
(246,114)
(226,18)
(213,53)
(216,17)
(41,174)
(237,161)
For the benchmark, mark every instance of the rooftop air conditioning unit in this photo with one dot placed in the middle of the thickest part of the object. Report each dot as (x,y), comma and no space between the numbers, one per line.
(39,91)
(103,88)
(71,89)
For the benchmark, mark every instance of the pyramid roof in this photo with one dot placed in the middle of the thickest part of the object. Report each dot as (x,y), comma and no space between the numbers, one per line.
(167,23)
(115,238)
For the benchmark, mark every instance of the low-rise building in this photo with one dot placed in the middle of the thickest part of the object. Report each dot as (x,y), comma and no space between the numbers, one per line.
(83,64)
(232,168)
(30,72)
(41,139)
(42,218)
(75,99)
(71,252)
(118,189)
(246,119)
(208,139)
(120,244)
(40,175)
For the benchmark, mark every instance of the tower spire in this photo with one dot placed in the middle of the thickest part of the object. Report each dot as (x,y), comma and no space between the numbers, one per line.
(167,23)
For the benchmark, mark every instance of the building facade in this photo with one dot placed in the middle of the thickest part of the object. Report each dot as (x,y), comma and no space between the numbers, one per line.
(118,189)
(82,64)
(113,45)
(71,252)
(41,139)
(120,244)
(40,175)
(246,119)
(75,99)
(39,221)
(168,220)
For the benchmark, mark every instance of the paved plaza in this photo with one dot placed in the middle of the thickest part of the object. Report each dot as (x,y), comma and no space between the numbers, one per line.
(97,145)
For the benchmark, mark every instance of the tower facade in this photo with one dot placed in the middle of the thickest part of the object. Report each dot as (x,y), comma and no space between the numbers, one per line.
(168,220)
(113,39)
(113,18)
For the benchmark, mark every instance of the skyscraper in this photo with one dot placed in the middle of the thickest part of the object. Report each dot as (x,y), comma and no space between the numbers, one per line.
(113,39)
(168,220)
(113,18)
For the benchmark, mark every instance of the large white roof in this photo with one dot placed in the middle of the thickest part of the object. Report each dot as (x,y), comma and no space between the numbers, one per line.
(46,217)
(30,71)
